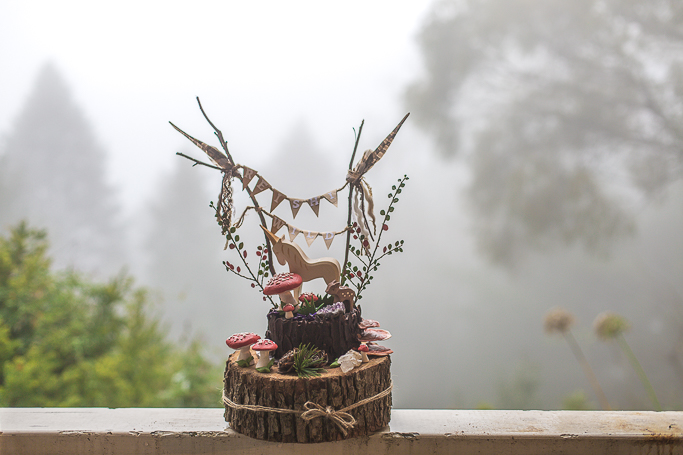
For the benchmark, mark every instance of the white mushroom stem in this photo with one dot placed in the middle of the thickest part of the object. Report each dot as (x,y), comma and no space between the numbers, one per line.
(263,359)
(289,314)
(364,357)
(287,297)
(244,353)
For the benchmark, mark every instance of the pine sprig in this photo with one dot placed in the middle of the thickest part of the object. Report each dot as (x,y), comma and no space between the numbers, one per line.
(359,276)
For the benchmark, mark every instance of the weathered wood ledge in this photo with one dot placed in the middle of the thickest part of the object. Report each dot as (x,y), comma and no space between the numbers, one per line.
(194,431)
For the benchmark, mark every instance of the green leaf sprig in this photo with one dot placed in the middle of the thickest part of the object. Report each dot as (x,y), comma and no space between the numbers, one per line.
(308,361)
(359,276)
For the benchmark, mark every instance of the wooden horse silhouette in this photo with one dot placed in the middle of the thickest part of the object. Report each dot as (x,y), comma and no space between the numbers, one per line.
(291,254)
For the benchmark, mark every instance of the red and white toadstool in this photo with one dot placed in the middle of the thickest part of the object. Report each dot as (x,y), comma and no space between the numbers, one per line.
(288,309)
(363,349)
(308,297)
(241,342)
(263,347)
(281,284)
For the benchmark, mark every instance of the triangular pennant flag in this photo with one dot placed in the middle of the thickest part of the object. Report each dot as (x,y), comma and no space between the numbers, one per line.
(277,224)
(262,185)
(293,232)
(277,198)
(310,237)
(248,175)
(314,202)
(328,237)
(295,204)
(331,196)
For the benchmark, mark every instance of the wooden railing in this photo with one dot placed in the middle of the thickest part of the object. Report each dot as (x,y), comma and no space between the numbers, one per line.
(196,431)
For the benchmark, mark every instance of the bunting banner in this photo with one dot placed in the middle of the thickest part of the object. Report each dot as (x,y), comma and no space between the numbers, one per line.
(363,202)
(278,196)
(293,231)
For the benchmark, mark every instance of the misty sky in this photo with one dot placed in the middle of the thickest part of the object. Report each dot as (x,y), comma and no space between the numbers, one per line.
(259,68)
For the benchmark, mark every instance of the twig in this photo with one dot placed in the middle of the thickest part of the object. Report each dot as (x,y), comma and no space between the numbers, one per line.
(218,133)
(196,162)
(224,146)
(348,219)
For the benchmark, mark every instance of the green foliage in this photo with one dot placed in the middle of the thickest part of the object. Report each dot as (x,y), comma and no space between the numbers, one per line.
(577,401)
(309,306)
(368,256)
(262,267)
(520,391)
(308,361)
(65,341)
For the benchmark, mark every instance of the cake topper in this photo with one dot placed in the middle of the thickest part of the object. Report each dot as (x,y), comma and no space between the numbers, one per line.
(356,271)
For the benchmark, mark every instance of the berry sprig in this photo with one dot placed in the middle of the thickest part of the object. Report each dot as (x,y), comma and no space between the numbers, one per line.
(359,275)
(262,272)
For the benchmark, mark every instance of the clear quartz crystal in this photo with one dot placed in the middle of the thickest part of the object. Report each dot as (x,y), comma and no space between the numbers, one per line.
(349,361)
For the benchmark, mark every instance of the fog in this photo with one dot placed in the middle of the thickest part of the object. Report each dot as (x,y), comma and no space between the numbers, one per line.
(544,164)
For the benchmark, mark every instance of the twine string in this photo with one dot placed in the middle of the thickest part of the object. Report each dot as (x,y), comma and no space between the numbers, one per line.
(341,417)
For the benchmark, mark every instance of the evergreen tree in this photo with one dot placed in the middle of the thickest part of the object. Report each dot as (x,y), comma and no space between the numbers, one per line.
(66,341)
(52,173)
(184,246)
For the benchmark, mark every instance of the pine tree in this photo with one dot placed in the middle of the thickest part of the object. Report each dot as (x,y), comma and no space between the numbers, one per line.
(185,245)
(69,341)
(52,171)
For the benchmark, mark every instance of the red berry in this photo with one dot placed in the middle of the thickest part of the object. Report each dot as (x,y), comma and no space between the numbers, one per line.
(385,250)
(366,243)
(238,269)
(258,253)
(265,251)
(232,267)
(232,246)
(355,237)
(385,227)
(245,253)
(253,285)
(359,274)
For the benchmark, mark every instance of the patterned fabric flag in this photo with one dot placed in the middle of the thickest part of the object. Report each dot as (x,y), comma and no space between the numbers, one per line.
(277,224)
(277,198)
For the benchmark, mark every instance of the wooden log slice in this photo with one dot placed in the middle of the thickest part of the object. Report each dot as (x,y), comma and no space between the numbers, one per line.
(246,386)
(334,335)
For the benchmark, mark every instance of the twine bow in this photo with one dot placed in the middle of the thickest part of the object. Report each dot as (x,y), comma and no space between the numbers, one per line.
(343,420)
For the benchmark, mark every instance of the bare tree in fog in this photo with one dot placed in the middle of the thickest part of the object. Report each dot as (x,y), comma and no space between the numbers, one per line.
(569,113)
(52,173)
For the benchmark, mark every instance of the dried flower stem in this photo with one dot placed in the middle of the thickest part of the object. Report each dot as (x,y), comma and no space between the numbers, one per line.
(578,353)
(639,370)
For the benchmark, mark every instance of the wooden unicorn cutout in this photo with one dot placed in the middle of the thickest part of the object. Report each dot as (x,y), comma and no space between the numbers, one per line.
(290,253)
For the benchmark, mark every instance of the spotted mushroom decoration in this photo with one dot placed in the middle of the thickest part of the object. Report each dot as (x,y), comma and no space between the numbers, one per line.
(241,342)
(264,347)
(289,311)
(282,284)
(308,297)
